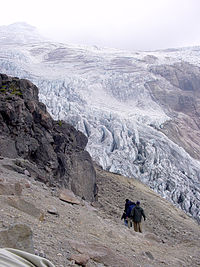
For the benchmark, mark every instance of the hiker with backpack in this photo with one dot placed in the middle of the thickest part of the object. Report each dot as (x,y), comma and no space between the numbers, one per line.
(125,211)
(129,205)
(136,215)
(128,213)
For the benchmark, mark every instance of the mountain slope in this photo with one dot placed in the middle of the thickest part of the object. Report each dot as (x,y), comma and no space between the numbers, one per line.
(140,110)
(95,232)
(19,33)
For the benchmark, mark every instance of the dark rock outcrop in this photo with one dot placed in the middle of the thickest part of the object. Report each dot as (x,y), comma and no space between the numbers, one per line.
(28,131)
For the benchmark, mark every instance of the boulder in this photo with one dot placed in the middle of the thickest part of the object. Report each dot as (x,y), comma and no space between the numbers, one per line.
(68,196)
(25,207)
(18,236)
(101,254)
(80,259)
(10,188)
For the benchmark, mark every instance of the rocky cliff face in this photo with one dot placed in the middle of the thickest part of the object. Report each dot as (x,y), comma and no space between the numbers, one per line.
(181,99)
(28,131)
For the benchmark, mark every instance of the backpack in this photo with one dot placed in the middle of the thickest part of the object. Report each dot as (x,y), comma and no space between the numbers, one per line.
(130,207)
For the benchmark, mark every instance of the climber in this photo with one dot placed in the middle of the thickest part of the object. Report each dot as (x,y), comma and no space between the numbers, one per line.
(136,216)
(125,211)
(129,205)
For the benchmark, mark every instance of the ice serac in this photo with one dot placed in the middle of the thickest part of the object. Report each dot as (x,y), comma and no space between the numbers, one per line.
(57,148)
(139,110)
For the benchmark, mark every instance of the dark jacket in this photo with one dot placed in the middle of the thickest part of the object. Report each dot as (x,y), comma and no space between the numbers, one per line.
(137,213)
(127,205)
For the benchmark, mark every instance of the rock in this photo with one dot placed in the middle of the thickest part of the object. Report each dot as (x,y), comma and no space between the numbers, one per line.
(68,196)
(18,189)
(10,188)
(8,148)
(25,206)
(40,253)
(52,210)
(185,79)
(14,168)
(81,169)
(27,173)
(42,217)
(80,259)
(96,204)
(149,255)
(101,254)
(18,236)
(30,168)
(152,237)
(27,185)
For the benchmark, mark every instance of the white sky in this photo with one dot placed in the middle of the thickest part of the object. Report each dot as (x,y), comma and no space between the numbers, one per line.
(125,24)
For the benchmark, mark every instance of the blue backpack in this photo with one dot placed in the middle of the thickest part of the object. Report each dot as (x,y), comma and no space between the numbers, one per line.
(130,207)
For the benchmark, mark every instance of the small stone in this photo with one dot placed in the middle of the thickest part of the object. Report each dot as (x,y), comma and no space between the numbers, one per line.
(42,254)
(52,210)
(41,218)
(27,173)
(149,255)
(27,185)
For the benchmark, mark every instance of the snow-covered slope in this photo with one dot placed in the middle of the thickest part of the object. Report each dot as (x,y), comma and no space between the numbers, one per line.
(122,101)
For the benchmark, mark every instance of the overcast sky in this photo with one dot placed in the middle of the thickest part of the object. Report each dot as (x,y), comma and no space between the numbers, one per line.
(124,24)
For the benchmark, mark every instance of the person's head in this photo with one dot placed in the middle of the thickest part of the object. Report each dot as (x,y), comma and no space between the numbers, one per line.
(127,200)
(138,203)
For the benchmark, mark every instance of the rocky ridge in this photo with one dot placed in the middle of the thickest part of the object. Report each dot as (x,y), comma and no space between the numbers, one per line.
(54,148)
